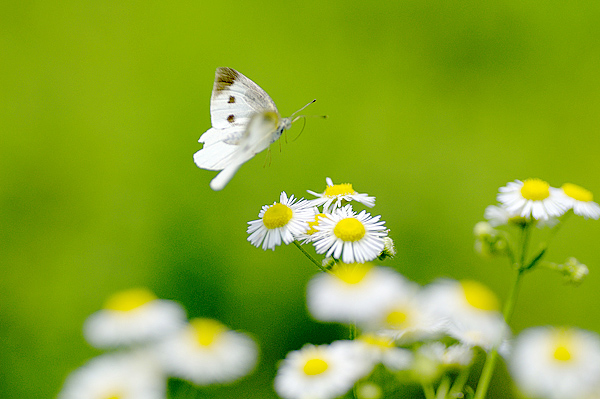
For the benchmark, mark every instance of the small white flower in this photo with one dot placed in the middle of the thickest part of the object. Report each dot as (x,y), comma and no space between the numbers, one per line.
(322,372)
(471,310)
(207,352)
(532,198)
(580,200)
(282,221)
(457,355)
(382,349)
(350,237)
(123,376)
(353,293)
(556,363)
(334,195)
(134,316)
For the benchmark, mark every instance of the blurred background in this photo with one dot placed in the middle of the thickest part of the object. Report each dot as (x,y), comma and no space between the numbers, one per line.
(432,107)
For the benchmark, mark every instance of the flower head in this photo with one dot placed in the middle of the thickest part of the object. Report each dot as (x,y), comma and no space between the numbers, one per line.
(556,363)
(124,376)
(581,201)
(322,372)
(334,195)
(282,221)
(532,198)
(353,293)
(350,237)
(207,352)
(131,317)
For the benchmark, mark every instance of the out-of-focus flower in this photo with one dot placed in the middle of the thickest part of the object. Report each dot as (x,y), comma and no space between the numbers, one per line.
(134,316)
(532,198)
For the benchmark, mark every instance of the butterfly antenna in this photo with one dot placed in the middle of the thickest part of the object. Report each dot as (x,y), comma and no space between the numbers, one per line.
(303,126)
(292,116)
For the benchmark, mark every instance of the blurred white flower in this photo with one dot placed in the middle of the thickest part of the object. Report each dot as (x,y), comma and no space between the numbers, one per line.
(580,200)
(282,221)
(471,310)
(334,195)
(532,198)
(350,237)
(134,316)
(457,355)
(207,352)
(382,349)
(556,363)
(322,372)
(353,293)
(125,376)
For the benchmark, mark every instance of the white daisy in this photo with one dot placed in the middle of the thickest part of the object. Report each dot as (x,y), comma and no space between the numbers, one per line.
(309,234)
(322,372)
(353,293)
(334,195)
(471,310)
(383,349)
(282,221)
(556,363)
(133,316)
(207,352)
(350,237)
(406,318)
(581,201)
(532,198)
(123,376)
(457,355)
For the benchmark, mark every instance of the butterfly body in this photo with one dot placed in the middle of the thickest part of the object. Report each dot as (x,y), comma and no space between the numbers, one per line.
(245,121)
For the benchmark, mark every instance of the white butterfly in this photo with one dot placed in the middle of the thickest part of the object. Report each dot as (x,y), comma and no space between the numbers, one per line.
(245,121)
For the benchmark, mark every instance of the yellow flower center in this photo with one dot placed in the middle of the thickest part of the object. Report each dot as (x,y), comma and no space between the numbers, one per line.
(113,395)
(561,353)
(125,301)
(349,229)
(277,215)
(576,192)
(315,366)
(339,189)
(377,340)
(479,296)
(535,189)
(311,225)
(352,273)
(396,318)
(207,331)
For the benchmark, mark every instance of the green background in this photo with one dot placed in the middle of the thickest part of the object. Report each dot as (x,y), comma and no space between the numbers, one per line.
(432,106)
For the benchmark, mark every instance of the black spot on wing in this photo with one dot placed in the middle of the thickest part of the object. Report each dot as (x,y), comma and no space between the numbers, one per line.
(231,99)
(231,118)
(224,78)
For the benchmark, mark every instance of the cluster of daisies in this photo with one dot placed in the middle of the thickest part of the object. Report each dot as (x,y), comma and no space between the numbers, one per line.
(328,222)
(428,335)
(150,340)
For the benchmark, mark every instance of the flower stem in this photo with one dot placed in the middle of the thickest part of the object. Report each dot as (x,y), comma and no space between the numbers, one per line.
(313,260)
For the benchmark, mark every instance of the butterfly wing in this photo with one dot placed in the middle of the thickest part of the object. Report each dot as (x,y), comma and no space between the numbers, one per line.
(234,138)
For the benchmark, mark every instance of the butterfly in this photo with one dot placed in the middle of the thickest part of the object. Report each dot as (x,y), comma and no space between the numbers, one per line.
(245,121)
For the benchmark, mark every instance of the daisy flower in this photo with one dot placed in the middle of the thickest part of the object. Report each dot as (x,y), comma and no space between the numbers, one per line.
(123,376)
(132,317)
(282,221)
(472,312)
(350,237)
(580,200)
(207,352)
(353,293)
(322,372)
(532,198)
(556,363)
(383,350)
(335,194)
(308,235)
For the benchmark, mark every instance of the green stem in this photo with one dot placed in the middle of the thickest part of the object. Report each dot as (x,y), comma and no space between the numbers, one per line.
(459,382)
(428,391)
(443,388)
(313,260)
(490,361)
